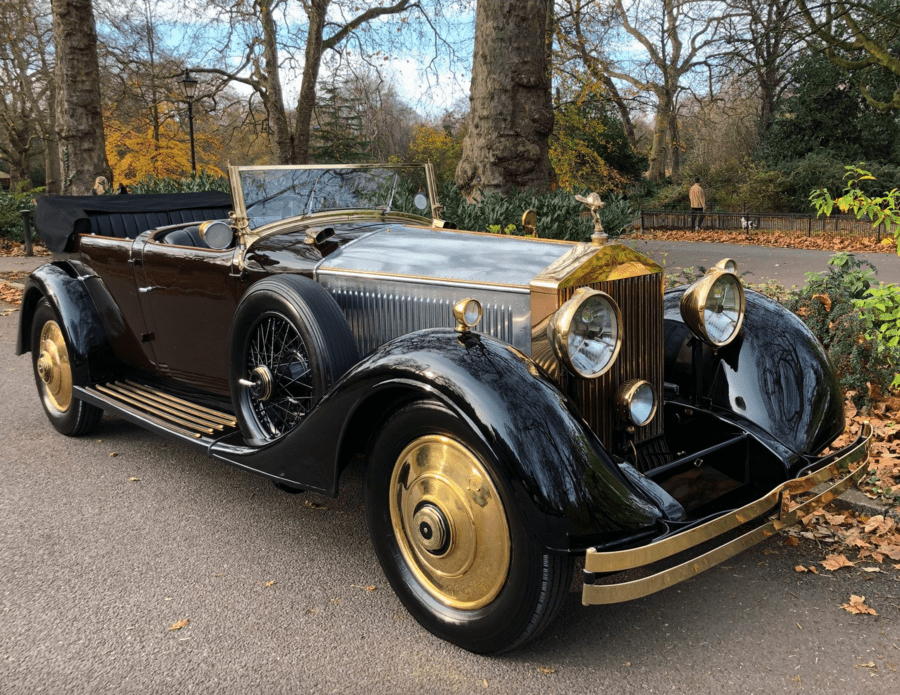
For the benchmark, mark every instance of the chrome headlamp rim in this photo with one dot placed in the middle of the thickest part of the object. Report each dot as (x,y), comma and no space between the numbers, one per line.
(693,305)
(624,400)
(560,325)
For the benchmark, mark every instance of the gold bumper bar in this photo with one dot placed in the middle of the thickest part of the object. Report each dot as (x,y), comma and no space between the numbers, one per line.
(620,560)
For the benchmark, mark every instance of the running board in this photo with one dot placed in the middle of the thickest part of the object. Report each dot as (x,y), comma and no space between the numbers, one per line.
(159,410)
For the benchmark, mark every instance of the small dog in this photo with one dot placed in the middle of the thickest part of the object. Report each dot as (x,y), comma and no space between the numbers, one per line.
(749,224)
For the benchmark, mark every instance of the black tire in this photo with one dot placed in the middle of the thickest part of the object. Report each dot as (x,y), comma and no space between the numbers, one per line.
(291,341)
(494,610)
(50,352)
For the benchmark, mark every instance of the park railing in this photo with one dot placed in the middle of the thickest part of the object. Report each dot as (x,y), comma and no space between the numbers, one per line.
(754,222)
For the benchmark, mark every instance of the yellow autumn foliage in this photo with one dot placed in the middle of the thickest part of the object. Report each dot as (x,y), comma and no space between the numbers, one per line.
(134,154)
(573,147)
(437,146)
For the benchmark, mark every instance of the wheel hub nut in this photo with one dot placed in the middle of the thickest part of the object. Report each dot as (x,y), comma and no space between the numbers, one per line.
(45,368)
(260,383)
(431,529)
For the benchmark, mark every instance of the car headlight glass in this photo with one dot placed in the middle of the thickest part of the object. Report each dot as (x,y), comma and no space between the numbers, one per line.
(713,307)
(586,333)
(636,402)
(722,312)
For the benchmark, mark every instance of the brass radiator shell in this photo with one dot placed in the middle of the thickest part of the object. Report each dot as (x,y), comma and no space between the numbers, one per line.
(636,285)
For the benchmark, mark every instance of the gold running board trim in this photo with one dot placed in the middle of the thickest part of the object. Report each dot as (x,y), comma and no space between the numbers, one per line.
(161,411)
(224,418)
(160,398)
(616,561)
(143,414)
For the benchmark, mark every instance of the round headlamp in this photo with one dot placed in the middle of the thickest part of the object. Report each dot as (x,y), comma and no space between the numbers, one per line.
(636,402)
(467,313)
(713,307)
(585,333)
(217,235)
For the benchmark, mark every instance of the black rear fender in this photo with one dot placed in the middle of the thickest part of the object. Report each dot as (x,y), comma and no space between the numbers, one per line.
(89,351)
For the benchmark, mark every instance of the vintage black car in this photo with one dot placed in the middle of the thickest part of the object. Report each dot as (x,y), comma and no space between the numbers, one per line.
(518,403)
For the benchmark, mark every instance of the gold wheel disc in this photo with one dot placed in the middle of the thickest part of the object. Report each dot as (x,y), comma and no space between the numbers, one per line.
(53,367)
(449,522)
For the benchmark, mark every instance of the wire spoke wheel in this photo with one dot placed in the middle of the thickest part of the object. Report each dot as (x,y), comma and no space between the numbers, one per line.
(279,367)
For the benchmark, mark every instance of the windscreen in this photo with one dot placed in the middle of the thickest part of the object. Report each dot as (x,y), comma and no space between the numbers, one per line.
(274,194)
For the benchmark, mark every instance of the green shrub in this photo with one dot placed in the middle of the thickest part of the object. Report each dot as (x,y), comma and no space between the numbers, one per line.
(839,309)
(191,184)
(11,205)
(559,215)
(880,309)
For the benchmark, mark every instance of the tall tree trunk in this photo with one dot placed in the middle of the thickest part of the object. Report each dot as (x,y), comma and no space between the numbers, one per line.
(306,102)
(674,143)
(52,163)
(511,115)
(624,113)
(659,151)
(80,119)
(282,139)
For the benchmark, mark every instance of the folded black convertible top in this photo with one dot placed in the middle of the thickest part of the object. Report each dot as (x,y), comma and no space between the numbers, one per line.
(59,218)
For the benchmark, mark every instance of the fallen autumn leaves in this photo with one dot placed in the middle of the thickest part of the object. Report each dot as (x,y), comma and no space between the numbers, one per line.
(793,240)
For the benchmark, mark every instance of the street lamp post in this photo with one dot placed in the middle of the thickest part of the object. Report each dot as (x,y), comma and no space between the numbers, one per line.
(189,87)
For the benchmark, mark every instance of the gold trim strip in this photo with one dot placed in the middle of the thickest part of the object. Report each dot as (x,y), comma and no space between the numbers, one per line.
(593,594)
(160,411)
(142,414)
(193,408)
(431,280)
(157,398)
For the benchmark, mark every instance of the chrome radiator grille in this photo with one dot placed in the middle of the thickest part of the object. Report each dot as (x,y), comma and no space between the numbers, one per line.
(641,301)
(377,315)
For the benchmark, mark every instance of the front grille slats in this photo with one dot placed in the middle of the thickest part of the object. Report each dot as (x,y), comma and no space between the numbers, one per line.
(641,357)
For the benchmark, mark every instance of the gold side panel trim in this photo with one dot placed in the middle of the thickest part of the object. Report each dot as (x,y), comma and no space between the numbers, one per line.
(593,594)
(141,413)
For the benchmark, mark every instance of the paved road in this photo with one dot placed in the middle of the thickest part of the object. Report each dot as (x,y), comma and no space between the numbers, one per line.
(108,540)
(788,266)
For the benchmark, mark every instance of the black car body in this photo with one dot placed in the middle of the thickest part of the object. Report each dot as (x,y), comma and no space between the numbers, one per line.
(518,402)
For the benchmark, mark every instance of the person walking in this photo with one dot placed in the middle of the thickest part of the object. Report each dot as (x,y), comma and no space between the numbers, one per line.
(698,204)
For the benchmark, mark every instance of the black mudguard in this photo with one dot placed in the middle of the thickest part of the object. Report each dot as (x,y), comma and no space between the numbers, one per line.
(775,378)
(569,490)
(89,352)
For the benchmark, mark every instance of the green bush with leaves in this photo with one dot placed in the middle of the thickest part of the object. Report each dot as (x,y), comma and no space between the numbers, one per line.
(878,209)
(190,184)
(559,215)
(12,203)
(841,310)
(880,309)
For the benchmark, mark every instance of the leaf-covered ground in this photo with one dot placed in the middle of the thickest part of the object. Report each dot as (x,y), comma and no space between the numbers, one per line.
(794,240)
(16,248)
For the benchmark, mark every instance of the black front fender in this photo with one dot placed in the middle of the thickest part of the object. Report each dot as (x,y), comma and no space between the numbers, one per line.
(570,492)
(775,376)
(90,354)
